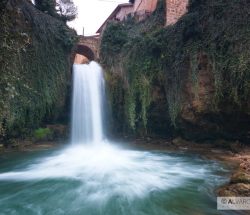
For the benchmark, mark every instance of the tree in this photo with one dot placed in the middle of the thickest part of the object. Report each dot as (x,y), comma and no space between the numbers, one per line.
(61,9)
(66,9)
(47,6)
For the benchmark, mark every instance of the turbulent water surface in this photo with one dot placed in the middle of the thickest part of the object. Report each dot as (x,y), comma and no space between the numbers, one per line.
(93,177)
(106,180)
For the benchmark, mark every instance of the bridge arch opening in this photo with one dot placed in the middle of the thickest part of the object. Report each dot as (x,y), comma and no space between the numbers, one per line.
(83,54)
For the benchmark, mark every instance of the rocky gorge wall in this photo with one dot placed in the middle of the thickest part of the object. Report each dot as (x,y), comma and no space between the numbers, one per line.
(189,79)
(34,67)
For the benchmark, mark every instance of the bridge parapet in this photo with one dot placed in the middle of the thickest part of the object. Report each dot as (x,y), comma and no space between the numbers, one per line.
(91,42)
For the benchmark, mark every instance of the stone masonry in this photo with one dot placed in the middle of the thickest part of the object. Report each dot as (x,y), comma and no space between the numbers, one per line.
(174,10)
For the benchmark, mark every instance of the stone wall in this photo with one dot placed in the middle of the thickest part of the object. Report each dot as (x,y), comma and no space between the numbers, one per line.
(174,10)
(123,12)
(145,5)
(92,42)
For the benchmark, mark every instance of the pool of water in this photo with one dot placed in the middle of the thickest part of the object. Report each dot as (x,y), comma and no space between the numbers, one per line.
(107,180)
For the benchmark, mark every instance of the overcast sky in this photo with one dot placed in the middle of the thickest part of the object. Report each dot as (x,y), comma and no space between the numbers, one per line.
(92,13)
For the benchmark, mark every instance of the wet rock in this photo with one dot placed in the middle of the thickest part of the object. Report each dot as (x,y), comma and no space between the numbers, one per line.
(239,189)
(240,177)
(233,146)
(236,147)
(179,142)
(220,143)
(1,147)
(239,184)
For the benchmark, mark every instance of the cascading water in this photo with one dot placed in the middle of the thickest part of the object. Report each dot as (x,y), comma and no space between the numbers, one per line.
(100,179)
(88,88)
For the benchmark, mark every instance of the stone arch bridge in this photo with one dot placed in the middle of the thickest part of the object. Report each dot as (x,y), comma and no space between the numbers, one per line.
(88,46)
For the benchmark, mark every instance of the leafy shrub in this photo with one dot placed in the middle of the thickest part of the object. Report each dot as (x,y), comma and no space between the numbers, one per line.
(42,134)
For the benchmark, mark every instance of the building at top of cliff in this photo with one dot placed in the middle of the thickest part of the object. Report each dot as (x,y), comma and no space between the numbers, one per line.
(120,13)
(140,9)
(174,10)
(144,6)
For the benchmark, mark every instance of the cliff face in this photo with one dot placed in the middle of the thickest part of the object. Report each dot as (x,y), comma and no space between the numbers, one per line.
(34,67)
(190,79)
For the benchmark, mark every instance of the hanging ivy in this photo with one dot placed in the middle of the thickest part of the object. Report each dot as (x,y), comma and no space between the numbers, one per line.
(147,51)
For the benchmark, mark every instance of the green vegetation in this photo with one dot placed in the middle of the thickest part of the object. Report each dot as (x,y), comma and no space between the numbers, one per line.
(48,6)
(42,134)
(64,10)
(136,55)
(123,52)
(35,66)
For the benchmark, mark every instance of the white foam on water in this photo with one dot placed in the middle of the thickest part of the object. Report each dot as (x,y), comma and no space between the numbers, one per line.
(106,171)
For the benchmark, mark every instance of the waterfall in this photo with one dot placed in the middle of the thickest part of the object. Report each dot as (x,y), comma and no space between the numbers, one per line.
(104,179)
(87,104)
